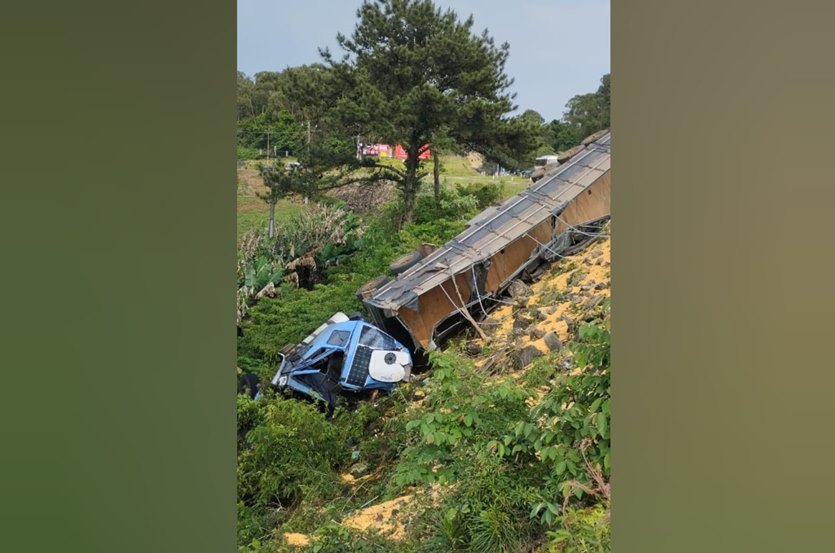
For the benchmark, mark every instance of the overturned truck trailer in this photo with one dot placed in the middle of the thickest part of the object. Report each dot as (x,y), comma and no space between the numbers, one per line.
(465,278)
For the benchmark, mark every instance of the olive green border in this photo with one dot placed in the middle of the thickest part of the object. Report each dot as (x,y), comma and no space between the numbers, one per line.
(722,273)
(118,232)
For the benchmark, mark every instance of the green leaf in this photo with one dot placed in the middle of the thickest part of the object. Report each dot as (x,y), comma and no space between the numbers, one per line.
(602,424)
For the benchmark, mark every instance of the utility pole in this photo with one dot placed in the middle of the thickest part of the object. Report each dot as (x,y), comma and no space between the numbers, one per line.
(308,152)
(308,137)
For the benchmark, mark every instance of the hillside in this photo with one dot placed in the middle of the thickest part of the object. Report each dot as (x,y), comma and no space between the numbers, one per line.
(482,453)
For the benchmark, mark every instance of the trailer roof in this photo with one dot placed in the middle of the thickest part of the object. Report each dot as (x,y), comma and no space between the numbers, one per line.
(496,227)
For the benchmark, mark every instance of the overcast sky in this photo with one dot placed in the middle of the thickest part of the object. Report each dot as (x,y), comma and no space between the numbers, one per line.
(558,48)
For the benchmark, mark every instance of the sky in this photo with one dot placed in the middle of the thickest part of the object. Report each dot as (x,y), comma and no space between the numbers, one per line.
(558,48)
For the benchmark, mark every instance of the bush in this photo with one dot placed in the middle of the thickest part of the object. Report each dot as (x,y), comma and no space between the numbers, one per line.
(568,431)
(294,453)
(459,418)
(245,153)
(301,252)
(484,194)
(582,531)
(456,204)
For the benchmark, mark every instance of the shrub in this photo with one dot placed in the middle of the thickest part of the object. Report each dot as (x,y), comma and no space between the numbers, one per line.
(245,153)
(459,203)
(459,418)
(485,194)
(568,431)
(301,252)
(582,531)
(295,452)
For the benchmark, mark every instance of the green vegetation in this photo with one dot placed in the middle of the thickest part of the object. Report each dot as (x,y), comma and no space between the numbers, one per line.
(514,477)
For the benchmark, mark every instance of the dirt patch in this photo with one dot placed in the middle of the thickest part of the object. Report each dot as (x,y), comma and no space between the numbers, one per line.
(386,518)
(476,160)
(251,180)
(391,518)
(365,198)
(296,540)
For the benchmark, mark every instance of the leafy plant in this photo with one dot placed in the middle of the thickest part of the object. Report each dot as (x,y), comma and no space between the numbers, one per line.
(294,453)
(569,429)
(582,531)
(459,418)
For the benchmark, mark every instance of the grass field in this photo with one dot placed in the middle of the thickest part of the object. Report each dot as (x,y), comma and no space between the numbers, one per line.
(253,211)
(459,170)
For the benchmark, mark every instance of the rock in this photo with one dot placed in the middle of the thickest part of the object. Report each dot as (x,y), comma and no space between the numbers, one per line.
(536,332)
(550,310)
(521,302)
(357,469)
(523,320)
(595,302)
(601,286)
(518,289)
(597,252)
(473,347)
(522,358)
(552,341)
(490,322)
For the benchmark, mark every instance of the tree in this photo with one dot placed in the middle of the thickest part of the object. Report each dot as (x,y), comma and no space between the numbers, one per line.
(280,131)
(412,74)
(563,136)
(280,183)
(589,113)
(246,106)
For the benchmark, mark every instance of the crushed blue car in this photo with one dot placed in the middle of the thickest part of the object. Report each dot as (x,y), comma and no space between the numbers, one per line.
(344,355)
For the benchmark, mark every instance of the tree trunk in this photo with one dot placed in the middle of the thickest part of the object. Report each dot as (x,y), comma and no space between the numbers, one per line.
(436,173)
(271,229)
(410,184)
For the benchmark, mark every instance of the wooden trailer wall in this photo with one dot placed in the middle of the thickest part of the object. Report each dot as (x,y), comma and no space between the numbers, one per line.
(592,204)
(500,243)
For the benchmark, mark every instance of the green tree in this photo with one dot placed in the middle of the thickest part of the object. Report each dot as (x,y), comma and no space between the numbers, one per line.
(246,87)
(280,183)
(412,73)
(563,136)
(271,131)
(589,113)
